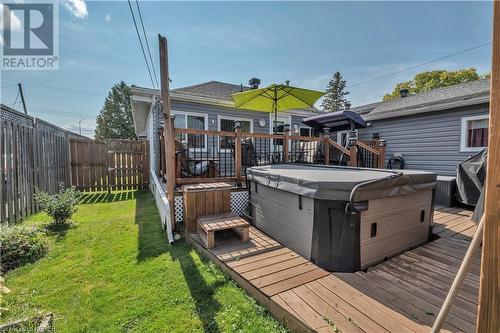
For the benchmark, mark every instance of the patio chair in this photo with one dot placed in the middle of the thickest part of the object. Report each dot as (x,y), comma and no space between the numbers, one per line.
(186,167)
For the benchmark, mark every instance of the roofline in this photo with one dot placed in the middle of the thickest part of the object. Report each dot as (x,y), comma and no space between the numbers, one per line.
(180,97)
(429,108)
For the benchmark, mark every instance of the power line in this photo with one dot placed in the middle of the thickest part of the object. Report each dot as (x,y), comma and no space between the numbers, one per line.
(147,42)
(140,42)
(85,92)
(419,65)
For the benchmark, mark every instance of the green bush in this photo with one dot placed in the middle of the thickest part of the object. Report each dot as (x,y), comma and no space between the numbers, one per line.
(60,206)
(20,245)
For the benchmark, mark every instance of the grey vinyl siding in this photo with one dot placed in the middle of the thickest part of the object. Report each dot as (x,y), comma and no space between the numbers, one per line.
(429,141)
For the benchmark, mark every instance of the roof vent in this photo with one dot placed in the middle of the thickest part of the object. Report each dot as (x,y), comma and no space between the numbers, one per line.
(347,105)
(254,83)
(404,92)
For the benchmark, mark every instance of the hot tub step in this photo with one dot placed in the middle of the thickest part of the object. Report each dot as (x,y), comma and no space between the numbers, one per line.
(208,225)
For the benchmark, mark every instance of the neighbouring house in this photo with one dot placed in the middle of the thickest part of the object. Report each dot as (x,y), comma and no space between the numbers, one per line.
(207,106)
(433,130)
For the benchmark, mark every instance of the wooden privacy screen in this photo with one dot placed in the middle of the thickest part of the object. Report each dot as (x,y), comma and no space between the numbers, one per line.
(33,154)
(109,165)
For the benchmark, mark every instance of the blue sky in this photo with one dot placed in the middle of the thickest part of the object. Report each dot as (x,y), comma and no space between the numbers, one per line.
(304,42)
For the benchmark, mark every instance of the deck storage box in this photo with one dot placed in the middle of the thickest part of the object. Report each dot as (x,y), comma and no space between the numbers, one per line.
(341,218)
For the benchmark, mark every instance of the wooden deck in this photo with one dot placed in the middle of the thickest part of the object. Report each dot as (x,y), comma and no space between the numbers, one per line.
(403,294)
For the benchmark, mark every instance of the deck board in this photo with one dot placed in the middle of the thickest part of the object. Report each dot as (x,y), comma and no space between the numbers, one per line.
(402,294)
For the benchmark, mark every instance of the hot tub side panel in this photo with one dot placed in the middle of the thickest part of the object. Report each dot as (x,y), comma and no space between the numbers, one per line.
(286,217)
(393,225)
(335,237)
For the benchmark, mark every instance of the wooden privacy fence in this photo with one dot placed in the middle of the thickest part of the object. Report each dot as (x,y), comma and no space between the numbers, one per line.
(109,165)
(33,154)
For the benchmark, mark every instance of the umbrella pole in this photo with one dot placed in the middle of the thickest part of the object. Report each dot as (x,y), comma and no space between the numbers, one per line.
(275,106)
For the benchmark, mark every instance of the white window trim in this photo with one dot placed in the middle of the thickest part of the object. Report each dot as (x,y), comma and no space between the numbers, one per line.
(196,114)
(339,135)
(219,119)
(288,120)
(463,133)
(306,127)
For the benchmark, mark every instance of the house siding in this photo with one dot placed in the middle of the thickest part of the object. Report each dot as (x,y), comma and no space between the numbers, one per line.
(429,142)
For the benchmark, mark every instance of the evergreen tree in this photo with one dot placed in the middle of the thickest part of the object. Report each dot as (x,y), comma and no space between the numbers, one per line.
(335,98)
(115,119)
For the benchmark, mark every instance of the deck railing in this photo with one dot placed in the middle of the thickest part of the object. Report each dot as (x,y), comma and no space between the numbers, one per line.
(206,156)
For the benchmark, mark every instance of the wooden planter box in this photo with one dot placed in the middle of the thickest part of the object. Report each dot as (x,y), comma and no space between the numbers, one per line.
(205,199)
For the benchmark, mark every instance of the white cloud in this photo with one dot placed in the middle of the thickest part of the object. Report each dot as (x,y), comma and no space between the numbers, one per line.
(87,129)
(1,40)
(15,23)
(107,18)
(77,7)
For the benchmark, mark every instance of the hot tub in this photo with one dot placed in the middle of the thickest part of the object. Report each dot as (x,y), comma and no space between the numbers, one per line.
(343,219)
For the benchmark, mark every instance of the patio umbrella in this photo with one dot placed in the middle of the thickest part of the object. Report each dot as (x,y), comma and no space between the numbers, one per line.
(276,98)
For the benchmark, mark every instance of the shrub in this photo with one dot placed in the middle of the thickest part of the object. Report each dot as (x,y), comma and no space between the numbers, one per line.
(60,206)
(19,245)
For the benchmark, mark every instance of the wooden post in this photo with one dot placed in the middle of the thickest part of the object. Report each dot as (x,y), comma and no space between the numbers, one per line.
(237,155)
(167,127)
(286,146)
(353,161)
(326,149)
(381,157)
(488,319)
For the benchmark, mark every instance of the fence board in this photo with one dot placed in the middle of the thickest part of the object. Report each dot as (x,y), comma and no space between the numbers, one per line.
(112,165)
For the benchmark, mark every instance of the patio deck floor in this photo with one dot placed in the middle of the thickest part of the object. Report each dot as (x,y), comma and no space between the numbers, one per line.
(402,294)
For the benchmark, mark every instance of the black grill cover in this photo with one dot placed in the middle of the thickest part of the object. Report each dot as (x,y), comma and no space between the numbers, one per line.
(471,175)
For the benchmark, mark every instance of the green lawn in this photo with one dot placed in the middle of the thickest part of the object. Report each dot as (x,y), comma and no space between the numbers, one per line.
(114,272)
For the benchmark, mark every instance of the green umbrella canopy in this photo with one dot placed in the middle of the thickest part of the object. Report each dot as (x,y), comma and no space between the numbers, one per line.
(276,98)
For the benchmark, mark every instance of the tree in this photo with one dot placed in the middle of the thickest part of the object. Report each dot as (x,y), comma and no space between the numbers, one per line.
(426,81)
(115,118)
(335,97)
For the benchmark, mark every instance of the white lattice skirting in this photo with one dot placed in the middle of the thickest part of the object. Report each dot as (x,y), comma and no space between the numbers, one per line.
(239,204)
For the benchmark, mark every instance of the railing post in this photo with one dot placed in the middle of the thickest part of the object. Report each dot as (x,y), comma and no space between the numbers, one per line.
(381,157)
(286,139)
(237,155)
(353,161)
(326,148)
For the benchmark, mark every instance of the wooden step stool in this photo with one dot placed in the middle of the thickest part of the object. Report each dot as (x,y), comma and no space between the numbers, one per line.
(209,224)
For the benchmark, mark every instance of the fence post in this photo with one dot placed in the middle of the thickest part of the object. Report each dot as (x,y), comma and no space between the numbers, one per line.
(237,155)
(326,148)
(108,165)
(286,138)
(353,161)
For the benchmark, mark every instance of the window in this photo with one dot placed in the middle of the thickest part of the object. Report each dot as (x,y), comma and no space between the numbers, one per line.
(194,121)
(474,134)
(342,137)
(227,124)
(305,131)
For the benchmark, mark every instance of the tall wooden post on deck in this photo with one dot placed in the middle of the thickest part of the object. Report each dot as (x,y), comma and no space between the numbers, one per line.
(237,155)
(488,319)
(167,127)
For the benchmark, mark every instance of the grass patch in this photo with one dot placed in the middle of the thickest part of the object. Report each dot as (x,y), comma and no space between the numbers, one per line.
(113,271)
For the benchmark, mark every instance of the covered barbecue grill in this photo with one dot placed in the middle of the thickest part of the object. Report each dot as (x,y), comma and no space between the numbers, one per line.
(341,218)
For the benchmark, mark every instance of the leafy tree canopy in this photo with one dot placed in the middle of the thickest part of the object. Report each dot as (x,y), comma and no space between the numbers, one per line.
(115,119)
(426,81)
(335,97)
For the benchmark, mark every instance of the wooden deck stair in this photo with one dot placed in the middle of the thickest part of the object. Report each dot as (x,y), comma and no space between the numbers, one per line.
(209,224)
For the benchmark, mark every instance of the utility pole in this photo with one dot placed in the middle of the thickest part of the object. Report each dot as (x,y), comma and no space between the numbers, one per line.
(168,127)
(488,318)
(80,126)
(22,97)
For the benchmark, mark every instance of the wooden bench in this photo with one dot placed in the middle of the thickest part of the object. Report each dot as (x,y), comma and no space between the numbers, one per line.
(209,224)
